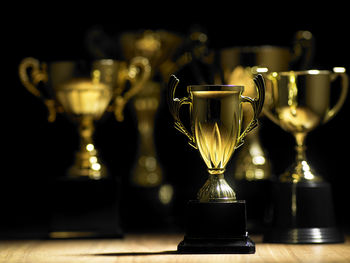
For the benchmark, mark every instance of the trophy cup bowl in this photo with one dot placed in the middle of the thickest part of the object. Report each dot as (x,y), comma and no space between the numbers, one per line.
(303,202)
(216,220)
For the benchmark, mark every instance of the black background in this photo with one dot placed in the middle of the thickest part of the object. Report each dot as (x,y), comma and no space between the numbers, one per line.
(34,150)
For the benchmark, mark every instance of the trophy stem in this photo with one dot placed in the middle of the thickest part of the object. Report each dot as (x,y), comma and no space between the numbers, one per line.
(147,171)
(216,189)
(300,147)
(87,163)
(300,171)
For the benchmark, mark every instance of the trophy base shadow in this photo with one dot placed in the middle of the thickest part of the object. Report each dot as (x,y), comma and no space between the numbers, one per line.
(216,228)
(303,214)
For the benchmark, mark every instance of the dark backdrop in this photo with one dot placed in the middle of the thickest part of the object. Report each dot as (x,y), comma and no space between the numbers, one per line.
(35,150)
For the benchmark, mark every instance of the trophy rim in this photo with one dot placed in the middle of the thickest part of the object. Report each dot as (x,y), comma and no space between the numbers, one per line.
(305,72)
(254,49)
(215,87)
(88,61)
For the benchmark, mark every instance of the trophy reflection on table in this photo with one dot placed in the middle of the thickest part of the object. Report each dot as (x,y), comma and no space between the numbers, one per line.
(216,221)
(303,207)
(83,91)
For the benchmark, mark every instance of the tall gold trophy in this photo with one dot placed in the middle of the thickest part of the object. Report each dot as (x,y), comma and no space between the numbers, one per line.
(303,201)
(83,91)
(154,192)
(160,48)
(216,221)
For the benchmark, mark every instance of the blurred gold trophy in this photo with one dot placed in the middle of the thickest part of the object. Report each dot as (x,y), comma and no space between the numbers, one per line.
(216,221)
(239,65)
(301,101)
(159,47)
(84,92)
(84,204)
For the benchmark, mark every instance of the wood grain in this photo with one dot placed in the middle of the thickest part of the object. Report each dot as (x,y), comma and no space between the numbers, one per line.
(158,248)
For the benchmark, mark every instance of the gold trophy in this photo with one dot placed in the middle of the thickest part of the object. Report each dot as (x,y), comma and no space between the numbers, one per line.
(216,221)
(303,202)
(84,91)
(159,47)
(153,192)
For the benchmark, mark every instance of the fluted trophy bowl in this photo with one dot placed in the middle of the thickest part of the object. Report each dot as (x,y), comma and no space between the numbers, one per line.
(84,90)
(216,118)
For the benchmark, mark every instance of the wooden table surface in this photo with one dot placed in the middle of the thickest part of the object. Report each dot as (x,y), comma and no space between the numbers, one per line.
(158,248)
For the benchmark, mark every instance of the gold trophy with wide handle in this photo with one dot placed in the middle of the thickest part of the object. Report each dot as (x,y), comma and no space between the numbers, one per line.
(300,102)
(83,91)
(216,221)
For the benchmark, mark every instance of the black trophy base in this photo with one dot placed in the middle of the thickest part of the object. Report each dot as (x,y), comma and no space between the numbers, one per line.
(216,228)
(85,208)
(323,235)
(303,214)
(242,245)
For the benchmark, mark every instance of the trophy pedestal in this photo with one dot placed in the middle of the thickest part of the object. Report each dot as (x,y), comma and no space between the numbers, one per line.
(152,208)
(216,228)
(85,208)
(303,213)
(257,196)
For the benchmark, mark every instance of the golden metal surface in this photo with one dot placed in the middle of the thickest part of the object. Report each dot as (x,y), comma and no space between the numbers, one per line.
(84,91)
(158,46)
(216,118)
(300,103)
(30,81)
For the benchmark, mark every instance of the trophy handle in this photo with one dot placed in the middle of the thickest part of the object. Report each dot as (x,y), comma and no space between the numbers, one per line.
(30,81)
(138,73)
(257,105)
(174,107)
(344,91)
(266,108)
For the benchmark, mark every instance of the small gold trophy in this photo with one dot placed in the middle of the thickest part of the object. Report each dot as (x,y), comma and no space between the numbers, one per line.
(303,202)
(84,92)
(216,221)
(84,204)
